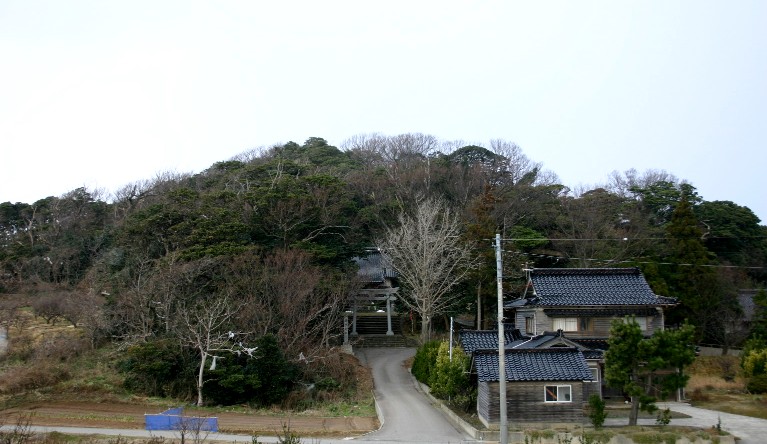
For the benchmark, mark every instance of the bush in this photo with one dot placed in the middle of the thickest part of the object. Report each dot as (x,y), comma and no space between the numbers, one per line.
(597,413)
(41,375)
(449,377)
(757,384)
(424,361)
(264,379)
(157,368)
(61,347)
(755,362)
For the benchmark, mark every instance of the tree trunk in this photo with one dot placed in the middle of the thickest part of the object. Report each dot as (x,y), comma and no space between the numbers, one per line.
(425,328)
(479,305)
(634,414)
(203,358)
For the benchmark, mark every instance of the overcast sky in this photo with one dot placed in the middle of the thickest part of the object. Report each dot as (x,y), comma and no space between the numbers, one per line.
(103,93)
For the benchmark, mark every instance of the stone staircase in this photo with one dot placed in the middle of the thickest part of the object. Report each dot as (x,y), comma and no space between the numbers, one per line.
(371,332)
(376,324)
(382,341)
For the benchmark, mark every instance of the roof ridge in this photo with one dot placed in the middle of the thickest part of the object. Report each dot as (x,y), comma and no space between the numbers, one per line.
(586,271)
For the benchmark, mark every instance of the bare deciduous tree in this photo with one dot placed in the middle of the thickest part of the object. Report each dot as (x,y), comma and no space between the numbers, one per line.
(286,295)
(205,327)
(430,257)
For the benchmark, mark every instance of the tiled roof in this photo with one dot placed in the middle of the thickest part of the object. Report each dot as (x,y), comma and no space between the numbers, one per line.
(601,312)
(589,287)
(592,343)
(374,267)
(473,340)
(545,364)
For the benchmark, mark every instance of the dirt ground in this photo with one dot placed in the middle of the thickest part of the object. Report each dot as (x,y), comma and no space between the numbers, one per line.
(130,416)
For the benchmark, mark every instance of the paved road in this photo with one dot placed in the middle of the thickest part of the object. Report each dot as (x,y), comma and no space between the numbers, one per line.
(407,414)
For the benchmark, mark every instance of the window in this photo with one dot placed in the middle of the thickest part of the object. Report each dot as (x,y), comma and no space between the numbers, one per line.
(558,393)
(566,324)
(530,325)
(586,324)
(641,320)
(594,373)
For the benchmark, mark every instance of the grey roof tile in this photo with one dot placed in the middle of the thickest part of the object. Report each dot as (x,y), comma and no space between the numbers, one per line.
(473,340)
(547,364)
(590,287)
(374,267)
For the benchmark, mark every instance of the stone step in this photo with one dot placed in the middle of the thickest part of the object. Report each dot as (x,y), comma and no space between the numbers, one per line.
(381,341)
(376,324)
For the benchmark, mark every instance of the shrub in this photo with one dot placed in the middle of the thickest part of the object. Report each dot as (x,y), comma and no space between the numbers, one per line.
(757,384)
(597,413)
(61,347)
(157,368)
(264,379)
(41,375)
(755,362)
(424,361)
(449,377)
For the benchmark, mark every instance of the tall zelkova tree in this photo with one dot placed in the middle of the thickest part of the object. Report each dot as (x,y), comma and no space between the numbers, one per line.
(643,367)
(430,258)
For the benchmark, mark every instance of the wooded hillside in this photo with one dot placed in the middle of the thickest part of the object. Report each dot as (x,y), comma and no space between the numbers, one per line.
(272,232)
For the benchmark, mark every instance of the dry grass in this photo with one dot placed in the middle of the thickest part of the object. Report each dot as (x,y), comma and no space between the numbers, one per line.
(715,384)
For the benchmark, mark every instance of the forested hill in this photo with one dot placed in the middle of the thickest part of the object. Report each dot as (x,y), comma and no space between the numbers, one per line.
(289,218)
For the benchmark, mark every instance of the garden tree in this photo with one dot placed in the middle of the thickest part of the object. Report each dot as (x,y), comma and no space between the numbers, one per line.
(643,367)
(430,258)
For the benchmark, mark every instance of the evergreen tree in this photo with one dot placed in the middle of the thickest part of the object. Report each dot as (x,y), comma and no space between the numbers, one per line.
(690,277)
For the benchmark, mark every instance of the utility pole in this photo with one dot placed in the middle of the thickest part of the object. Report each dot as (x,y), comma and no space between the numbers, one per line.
(501,344)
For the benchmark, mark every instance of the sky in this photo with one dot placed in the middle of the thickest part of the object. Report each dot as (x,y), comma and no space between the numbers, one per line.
(100,94)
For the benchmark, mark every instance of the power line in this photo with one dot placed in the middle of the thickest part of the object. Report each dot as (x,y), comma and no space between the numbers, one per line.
(628,261)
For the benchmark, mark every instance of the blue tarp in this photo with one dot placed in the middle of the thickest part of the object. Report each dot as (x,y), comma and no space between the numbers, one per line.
(174,419)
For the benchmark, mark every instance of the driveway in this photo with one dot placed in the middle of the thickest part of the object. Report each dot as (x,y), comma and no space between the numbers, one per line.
(749,430)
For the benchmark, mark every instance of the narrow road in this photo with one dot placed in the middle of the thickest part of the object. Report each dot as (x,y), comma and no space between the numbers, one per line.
(407,414)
